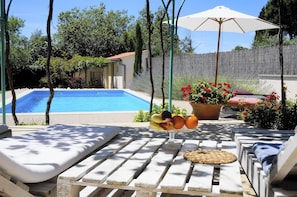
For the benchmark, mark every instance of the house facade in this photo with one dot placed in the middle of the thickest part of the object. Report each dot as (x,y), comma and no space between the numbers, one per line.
(119,71)
(116,74)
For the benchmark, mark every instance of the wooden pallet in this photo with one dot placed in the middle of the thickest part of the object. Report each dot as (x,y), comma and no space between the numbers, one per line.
(10,187)
(150,167)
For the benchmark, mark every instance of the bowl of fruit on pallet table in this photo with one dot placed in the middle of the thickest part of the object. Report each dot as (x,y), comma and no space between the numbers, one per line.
(173,123)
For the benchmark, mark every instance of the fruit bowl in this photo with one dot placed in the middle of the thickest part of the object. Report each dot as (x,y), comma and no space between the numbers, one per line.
(182,130)
(173,124)
(172,132)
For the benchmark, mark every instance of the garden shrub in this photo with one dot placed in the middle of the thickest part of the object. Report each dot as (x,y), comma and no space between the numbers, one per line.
(76,82)
(288,117)
(270,114)
(157,109)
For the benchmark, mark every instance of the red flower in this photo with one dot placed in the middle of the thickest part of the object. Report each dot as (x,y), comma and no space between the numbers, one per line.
(226,90)
(207,90)
(272,97)
(227,85)
(189,89)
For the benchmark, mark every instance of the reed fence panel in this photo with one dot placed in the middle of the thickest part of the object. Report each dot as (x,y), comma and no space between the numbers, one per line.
(243,64)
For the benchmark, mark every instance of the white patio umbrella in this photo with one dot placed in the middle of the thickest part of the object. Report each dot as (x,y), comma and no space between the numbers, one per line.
(223,19)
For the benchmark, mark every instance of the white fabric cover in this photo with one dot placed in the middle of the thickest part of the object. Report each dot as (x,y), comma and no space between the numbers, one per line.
(41,155)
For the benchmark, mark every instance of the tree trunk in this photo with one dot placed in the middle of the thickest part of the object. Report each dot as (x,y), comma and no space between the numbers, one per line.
(9,70)
(149,28)
(163,50)
(49,53)
(281,58)
(10,78)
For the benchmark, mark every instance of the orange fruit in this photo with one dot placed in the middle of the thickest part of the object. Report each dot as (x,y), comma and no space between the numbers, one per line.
(178,122)
(191,122)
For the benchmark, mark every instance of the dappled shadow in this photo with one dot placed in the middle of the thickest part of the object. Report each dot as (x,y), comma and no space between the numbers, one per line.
(216,130)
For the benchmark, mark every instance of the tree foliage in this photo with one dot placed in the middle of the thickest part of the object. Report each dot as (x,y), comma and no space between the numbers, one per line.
(19,54)
(62,69)
(270,12)
(240,48)
(186,45)
(157,18)
(93,32)
(138,51)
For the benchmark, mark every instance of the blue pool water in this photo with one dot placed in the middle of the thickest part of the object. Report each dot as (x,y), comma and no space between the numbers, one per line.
(80,101)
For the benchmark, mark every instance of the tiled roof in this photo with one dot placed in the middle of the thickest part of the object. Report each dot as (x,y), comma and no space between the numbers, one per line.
(122,55)
(119,56)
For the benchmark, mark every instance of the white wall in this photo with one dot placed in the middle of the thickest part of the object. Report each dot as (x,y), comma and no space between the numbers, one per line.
(274,83)
(129,62)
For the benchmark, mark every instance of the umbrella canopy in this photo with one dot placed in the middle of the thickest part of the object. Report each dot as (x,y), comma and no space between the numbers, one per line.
(223,19)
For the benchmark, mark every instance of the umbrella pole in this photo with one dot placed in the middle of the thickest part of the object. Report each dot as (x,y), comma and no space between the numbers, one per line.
(171,58)
(218,51)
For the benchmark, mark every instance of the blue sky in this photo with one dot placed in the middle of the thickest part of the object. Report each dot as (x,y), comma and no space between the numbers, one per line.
(35,12)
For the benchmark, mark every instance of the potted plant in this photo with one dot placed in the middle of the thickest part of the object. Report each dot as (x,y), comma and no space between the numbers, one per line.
(207,98)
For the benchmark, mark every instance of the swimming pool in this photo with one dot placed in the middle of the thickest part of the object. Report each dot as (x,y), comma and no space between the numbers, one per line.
(80,101)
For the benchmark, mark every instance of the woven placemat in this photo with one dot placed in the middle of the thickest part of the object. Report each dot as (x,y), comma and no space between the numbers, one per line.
(208,156)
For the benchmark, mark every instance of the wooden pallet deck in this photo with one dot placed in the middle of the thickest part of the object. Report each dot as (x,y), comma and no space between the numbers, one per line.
(149,167)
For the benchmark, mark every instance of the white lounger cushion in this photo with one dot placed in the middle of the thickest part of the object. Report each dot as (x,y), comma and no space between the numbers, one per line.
(39,156)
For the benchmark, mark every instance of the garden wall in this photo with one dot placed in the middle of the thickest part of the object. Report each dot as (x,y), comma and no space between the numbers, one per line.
(243,64)
(254,64)
(274,83)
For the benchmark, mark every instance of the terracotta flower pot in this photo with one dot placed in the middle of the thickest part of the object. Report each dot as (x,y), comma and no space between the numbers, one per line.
(206,111)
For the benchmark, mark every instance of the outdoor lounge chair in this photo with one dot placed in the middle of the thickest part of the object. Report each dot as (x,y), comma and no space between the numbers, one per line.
(245,98)
(242,99)
(40,156)
(269,158)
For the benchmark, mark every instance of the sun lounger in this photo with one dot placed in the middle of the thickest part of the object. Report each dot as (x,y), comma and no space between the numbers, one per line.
(42,155)
(245,98)
(242,100)
(269,159)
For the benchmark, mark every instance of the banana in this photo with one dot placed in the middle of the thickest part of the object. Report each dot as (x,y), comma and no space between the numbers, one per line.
(155,126)
(158,123)
(156,118)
